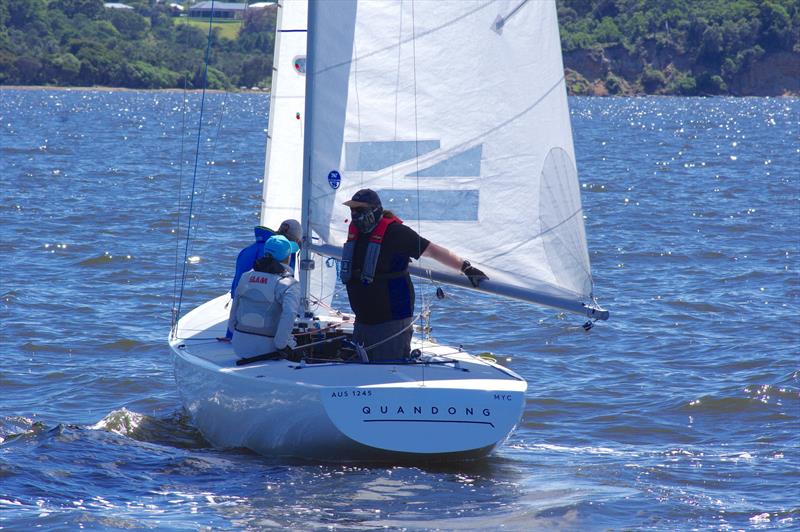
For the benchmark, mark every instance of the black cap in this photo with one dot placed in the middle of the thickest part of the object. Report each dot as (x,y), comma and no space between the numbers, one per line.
(364,198)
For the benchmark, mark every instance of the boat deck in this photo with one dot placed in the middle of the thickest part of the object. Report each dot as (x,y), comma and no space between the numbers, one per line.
(198,332)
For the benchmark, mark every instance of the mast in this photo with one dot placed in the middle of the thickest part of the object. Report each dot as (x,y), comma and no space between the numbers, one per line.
(306,263)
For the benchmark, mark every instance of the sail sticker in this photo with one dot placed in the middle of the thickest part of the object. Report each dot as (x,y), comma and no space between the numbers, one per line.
(334,179)
(377,155)
(299,63)
(464,164)
(432,204)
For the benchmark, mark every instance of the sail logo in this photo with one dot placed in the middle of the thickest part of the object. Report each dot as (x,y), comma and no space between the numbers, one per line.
(386,413)
(299,63)
(334,179)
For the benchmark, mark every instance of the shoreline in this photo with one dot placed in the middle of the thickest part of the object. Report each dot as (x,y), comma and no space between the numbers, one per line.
(99,88)
(267,91)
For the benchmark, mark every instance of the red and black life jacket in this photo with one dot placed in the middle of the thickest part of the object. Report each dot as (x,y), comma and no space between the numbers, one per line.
(373,250)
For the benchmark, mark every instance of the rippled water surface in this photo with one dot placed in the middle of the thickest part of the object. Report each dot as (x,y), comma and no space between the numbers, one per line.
(682,411)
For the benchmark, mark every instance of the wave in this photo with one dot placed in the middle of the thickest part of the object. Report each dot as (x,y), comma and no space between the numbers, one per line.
(756,397)
(105,258)
(125,345)
(14,427)
(173,430)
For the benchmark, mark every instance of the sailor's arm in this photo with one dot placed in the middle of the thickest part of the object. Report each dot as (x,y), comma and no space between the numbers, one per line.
(443,255)
(448,258)
(290,302)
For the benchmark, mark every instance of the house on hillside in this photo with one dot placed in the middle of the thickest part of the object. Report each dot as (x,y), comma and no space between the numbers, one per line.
(116,5)
(220,10)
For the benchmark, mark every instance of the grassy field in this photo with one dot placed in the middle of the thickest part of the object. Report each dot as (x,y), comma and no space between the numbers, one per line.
(228,28)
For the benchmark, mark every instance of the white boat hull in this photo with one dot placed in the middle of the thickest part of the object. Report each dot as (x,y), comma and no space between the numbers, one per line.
(455,407)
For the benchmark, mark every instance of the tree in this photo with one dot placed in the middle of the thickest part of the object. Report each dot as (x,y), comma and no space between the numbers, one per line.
(777,27)
(19,13)
(139,74)
(608,32)
(189,36)
(28,70)
(255,70)
(89,8)
(257,31)
(652,80)
(63,69)
(131,25)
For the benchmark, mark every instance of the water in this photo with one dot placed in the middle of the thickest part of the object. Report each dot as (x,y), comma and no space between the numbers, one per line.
(681,412)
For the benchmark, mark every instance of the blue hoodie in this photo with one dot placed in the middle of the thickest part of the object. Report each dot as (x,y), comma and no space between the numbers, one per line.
(249,255)
(247,258)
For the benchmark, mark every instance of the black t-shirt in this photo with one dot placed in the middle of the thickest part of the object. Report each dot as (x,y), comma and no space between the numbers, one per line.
(391,295)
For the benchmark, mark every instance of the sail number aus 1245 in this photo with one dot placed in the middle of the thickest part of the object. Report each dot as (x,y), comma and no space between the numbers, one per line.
(351,393)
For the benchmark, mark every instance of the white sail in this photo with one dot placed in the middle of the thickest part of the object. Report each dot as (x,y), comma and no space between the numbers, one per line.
(455,112)
(283,169)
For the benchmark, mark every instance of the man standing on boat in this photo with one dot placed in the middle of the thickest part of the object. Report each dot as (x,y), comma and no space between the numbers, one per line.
(266,301)
(249,255)
(375,270)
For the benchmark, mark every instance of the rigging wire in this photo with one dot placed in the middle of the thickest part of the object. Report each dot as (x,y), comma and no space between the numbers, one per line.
(194,172)
(215,143)
(397,80)
(180,194)
(426,304)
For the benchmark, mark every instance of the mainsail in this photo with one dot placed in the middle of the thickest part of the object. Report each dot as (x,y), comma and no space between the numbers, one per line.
(283,169)
(455,112)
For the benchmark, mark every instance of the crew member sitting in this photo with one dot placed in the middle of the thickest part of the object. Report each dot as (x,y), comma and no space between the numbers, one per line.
(265,303)
(249,255)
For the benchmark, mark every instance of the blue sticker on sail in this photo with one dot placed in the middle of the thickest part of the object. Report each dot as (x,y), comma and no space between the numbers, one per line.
(334,179)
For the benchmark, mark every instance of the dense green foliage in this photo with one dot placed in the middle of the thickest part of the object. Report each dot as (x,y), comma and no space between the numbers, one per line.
(679,46)
(80,42)
(610,46)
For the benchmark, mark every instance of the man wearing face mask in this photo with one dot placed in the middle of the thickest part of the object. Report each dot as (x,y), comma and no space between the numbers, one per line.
(375,271)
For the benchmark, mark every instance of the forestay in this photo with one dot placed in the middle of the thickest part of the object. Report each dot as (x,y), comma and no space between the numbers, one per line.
(455,112)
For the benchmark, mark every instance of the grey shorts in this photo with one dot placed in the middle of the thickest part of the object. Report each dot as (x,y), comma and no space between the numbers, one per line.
(396,348)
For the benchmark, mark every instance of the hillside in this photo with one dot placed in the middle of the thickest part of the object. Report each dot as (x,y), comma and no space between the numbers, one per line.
(683,47)
(83,43)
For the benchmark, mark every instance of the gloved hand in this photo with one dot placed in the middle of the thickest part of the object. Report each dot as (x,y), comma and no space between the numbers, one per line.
(474,275)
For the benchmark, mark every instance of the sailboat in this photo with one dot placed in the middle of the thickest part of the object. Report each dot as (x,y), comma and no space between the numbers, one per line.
(456,113)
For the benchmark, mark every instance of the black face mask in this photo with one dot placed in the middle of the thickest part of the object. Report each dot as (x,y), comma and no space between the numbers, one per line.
(367,219)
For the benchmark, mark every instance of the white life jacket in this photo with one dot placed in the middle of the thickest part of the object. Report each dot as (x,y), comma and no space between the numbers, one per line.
(257,310)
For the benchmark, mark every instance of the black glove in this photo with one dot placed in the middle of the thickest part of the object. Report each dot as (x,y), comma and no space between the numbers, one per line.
(474,275)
